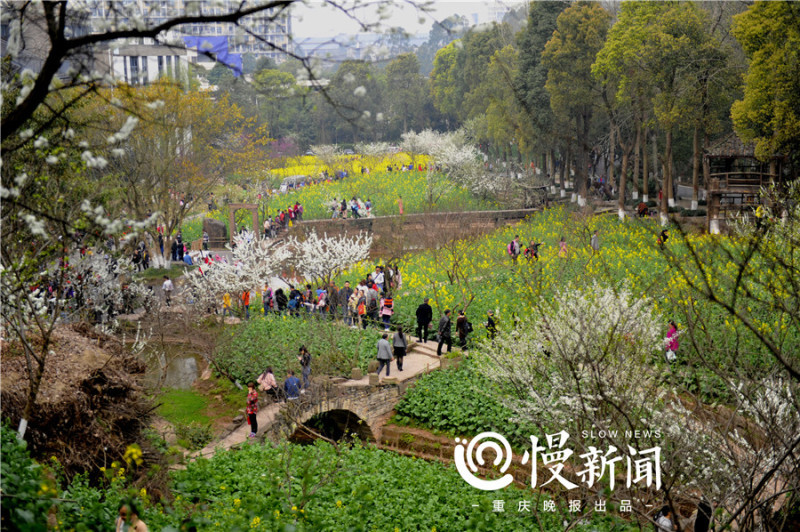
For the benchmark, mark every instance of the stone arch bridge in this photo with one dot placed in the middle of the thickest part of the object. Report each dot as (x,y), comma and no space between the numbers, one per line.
(351,406)
(332,408)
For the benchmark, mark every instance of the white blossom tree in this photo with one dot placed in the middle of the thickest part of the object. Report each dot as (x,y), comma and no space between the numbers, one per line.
(327,153)
(321,259)
(253,264)
(458,162)
(587,362)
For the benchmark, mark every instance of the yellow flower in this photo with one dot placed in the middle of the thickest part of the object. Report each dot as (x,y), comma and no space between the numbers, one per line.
(237,502)
(338,504)
(294,508)
(255,522)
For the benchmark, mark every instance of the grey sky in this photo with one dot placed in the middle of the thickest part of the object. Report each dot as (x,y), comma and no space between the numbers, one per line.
(317,20)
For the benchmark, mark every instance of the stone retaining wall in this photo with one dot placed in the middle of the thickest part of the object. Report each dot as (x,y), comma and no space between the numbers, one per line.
(395,234)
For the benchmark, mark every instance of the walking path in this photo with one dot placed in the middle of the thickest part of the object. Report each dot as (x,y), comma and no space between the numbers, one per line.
(420,359)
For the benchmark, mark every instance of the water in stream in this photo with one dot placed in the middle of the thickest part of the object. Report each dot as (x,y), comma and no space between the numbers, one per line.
(179,366)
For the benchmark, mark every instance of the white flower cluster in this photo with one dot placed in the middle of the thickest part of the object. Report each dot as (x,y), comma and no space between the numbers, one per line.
(254,262)
(456,156)
(320,259)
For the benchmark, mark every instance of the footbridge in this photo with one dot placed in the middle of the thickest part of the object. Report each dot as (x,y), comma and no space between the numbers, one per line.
(333,408)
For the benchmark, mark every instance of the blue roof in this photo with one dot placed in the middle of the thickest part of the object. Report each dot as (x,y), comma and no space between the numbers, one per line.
(218,46)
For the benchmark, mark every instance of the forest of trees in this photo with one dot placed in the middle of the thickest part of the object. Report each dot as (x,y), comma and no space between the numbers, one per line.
(658,82)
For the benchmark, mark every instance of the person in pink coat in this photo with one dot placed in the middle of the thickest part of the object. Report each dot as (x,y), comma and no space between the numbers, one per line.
(672,342)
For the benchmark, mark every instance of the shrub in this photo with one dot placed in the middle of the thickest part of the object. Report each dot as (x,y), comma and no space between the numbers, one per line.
(247,349)
(193,436)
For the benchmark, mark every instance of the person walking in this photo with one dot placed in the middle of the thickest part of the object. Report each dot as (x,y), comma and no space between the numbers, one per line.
(281,301)
(671,353)
(267,299)
(562,248)
(305,362)
(161,244)
(445,333)
(662,238)
(333,300)
(372,306)
(246,303)
(491,325)
(424,319)
(252,408)
(400,345)
(167,287)
(344,302)
(532,251)
(205,241)
(179,240)
(463,329)
(291,386)
(379,278)
(387,309)
(595,242)
(514,248)
(384,354)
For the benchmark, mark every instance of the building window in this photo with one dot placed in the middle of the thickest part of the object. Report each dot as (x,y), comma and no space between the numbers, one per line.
(134,70)
(145,76)
(160,65)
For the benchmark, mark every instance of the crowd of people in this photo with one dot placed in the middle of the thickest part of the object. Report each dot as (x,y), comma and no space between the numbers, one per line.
(369,303)
(355,208)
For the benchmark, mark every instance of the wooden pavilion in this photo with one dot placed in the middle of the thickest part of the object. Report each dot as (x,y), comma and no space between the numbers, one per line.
(736,178)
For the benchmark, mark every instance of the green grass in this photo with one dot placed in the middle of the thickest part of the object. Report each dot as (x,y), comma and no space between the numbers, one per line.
(183,407)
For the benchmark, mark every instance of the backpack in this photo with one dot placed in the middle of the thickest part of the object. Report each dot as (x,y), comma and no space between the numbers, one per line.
(388,303)
(372,304)
(510,248)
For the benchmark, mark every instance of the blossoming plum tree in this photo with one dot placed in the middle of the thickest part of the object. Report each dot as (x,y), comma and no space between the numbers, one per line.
(321,259)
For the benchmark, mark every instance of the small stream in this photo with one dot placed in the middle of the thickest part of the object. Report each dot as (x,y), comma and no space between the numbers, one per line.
(183,366)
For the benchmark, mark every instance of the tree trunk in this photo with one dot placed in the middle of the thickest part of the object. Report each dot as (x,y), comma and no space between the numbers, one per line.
(611,150)
(655,160)
(666,186)
(583,160)
(35,373)
(566,167)
(706,164)
(670,177)
(645,167)
(695,167)
(636,147)
(623,174)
